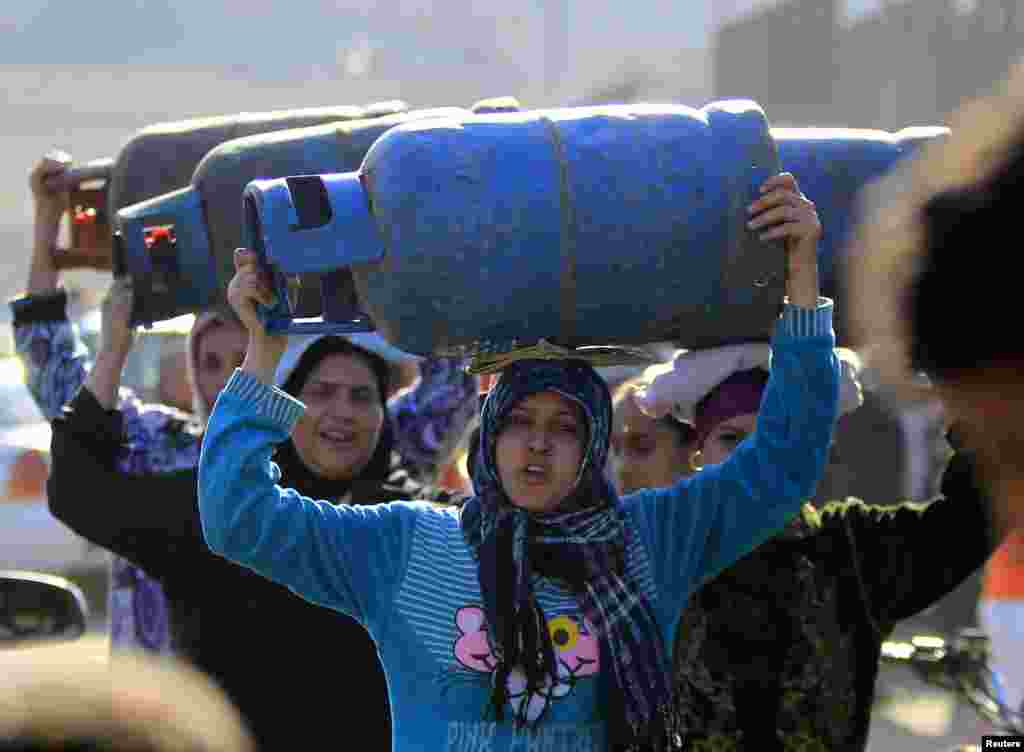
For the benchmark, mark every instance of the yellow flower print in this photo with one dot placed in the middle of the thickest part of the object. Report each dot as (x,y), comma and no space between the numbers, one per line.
(564,633)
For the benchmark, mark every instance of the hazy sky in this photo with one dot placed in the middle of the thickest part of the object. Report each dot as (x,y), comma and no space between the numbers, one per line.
(86,76)
(271,34)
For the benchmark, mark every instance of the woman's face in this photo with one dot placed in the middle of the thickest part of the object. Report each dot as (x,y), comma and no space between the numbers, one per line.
(220,351)
(539,450)
(725,437)
(647,453)
(338,434)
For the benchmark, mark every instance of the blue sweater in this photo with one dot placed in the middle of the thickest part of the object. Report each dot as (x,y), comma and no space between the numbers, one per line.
(404,571)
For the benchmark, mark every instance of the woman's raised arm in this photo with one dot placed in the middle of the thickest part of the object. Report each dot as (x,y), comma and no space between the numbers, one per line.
(706,522)
(344,557)
(349,558)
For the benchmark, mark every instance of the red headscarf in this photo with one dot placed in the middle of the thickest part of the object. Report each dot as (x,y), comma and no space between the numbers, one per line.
(740,394)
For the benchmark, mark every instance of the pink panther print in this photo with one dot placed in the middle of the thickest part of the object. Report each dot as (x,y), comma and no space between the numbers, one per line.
(576,648)
(576,644)
(473,647)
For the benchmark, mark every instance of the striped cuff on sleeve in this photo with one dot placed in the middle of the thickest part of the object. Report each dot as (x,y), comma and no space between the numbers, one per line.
(268,401)
(801,323)
(47,306)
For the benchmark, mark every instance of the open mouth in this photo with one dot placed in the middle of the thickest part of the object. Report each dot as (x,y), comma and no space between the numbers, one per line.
(338,439)
(535,475)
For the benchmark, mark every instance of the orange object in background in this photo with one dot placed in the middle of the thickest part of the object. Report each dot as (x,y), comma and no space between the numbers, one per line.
(454,477)
(1004,573)
(485,382)
(27,475)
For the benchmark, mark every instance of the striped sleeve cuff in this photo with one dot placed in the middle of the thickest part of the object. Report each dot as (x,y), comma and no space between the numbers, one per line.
(47,306)
(267,401)
(802,323)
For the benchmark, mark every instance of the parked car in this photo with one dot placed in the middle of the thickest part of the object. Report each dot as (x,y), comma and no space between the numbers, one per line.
(142,369)
(36,606)
(30,537)
(59,691)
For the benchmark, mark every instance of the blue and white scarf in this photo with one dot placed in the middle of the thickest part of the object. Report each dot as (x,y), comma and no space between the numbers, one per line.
(582,544)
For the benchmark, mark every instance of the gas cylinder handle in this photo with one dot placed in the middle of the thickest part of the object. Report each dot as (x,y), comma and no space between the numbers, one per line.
(280,317)
(97,170)
(275,318)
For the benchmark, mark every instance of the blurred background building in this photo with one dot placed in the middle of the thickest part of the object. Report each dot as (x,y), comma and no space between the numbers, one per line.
(871,64)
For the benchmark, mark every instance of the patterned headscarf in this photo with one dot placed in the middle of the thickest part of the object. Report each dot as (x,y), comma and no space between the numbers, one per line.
(582,544)
(219,315)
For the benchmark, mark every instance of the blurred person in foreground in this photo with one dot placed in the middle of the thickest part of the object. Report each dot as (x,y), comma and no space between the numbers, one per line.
(57,700)
(935,292)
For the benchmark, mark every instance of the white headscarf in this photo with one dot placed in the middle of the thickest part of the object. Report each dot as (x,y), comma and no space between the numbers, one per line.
(369,341)
(695,373)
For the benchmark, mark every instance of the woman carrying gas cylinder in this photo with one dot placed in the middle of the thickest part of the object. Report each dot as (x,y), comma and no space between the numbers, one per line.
(780,652)
(541,613)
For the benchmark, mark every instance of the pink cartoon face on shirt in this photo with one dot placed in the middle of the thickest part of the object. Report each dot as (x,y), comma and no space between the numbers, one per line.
(576,645)
(473,647)
(576,649)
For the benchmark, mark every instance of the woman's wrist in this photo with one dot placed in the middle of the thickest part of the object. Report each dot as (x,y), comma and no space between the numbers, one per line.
(46,225)
(263,355)
(43,275)
(105,376)
(114,353)
(802,284)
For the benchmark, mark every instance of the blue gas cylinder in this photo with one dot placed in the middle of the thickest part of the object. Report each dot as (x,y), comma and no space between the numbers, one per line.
(582,226)
(178,246)
(832,166)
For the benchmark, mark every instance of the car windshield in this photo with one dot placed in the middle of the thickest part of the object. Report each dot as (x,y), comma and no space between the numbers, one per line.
(141,372)
(17,408)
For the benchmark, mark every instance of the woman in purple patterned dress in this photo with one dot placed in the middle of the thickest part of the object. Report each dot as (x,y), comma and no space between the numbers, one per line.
(159,438)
